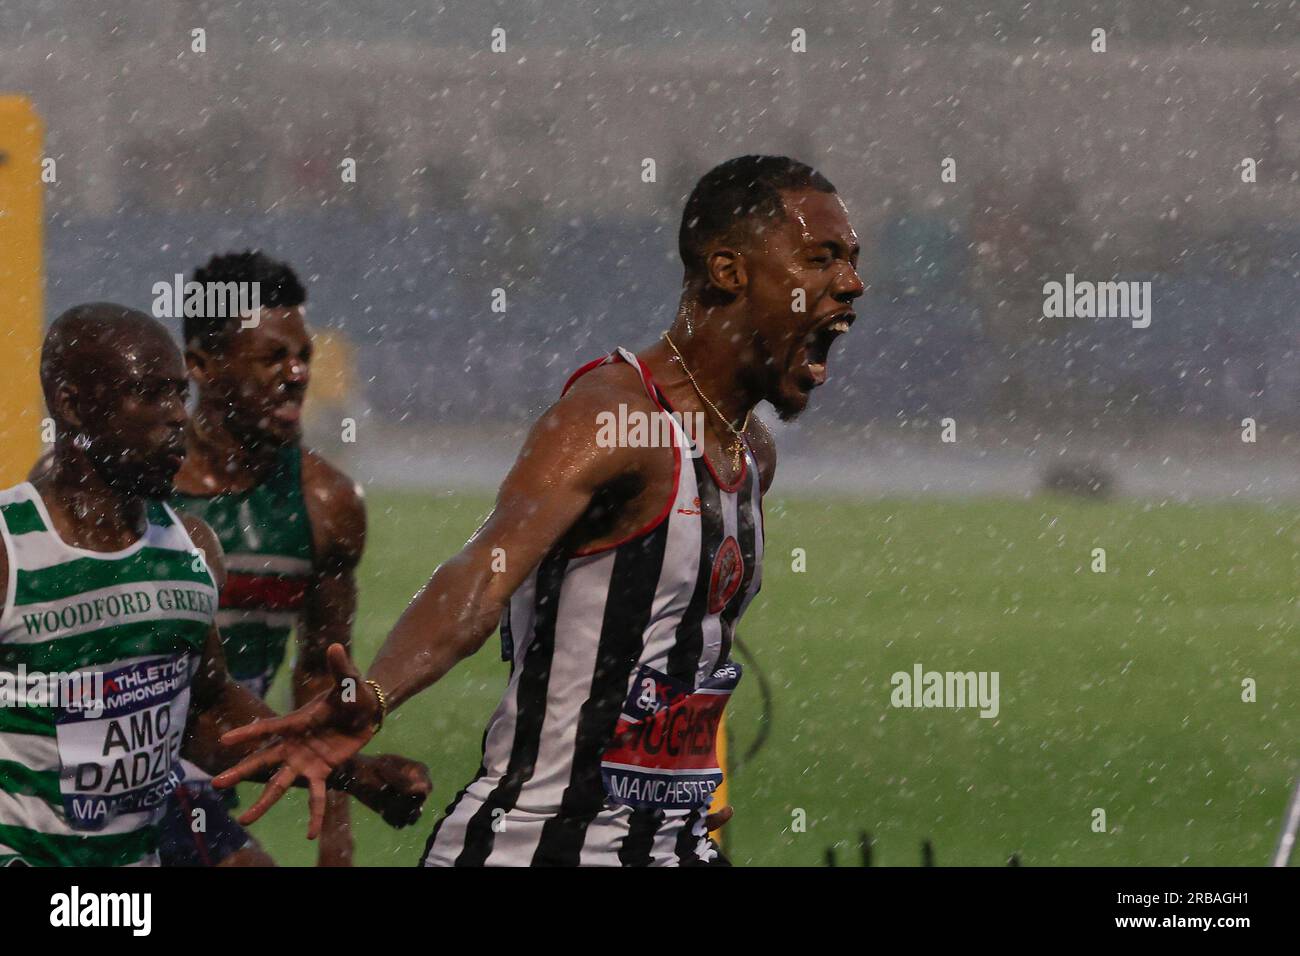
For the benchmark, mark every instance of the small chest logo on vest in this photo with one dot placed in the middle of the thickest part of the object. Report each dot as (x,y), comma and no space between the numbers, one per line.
(728,569)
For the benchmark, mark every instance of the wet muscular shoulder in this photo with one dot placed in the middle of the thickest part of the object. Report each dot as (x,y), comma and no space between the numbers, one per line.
(607,416)
(42,467)
(205,539)
(763,446)
(336,510)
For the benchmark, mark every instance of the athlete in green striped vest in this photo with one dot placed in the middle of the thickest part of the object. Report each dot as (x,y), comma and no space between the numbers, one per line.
(76,788)
(266,533)
(111,667)
(292,526)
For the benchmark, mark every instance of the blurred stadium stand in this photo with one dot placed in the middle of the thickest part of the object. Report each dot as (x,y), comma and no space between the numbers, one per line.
(415,295)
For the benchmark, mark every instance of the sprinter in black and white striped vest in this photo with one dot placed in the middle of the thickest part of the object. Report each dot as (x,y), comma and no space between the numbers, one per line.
(617,563)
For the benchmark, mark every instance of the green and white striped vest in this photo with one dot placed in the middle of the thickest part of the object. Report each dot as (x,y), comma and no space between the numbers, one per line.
(266,535)
(97,652)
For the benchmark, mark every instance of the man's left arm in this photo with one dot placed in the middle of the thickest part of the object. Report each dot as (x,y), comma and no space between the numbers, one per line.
(392,786)
(337,515)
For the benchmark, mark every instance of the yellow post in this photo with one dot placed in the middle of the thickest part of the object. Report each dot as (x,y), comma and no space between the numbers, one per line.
(333,376)
(21,287)
(720,795)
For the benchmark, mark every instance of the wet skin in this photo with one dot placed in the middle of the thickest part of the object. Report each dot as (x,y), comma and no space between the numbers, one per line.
(747,344)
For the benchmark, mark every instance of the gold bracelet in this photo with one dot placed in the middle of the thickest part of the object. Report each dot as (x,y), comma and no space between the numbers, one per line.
(383,705)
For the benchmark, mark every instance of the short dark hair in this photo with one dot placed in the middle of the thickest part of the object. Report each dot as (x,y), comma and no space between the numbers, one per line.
(730,196)
(93,329)
(278,287)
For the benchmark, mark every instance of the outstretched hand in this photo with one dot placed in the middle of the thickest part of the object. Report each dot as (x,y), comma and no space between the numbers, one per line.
(314,741)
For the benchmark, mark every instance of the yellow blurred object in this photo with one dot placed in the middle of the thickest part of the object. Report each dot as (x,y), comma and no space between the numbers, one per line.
(333,373)
(720,795)
(21,287)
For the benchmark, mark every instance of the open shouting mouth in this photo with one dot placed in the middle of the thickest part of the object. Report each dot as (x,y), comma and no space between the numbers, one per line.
(810,364)
(288,411)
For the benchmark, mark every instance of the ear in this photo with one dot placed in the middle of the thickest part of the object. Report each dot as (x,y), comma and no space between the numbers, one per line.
(196,364)
(725,269)
(63,406)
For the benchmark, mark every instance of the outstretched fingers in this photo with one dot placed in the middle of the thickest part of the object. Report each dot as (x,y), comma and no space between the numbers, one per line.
(340,665)
(297,722)
(250,765)
(316,804)
(271,794)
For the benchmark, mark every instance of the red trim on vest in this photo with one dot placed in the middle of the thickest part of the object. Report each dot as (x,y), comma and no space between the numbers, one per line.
(744,461)
(740,479)
(594,363)
(262,592)
(648,381)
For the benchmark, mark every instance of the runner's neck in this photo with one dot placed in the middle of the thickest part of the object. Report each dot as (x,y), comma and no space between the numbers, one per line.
(223,462)
(716,379)
(87,512)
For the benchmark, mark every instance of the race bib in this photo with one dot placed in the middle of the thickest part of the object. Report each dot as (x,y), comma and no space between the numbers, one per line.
(124,756)
(664,752)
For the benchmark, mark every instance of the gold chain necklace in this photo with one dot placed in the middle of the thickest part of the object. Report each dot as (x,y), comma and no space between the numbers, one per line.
(738,444)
